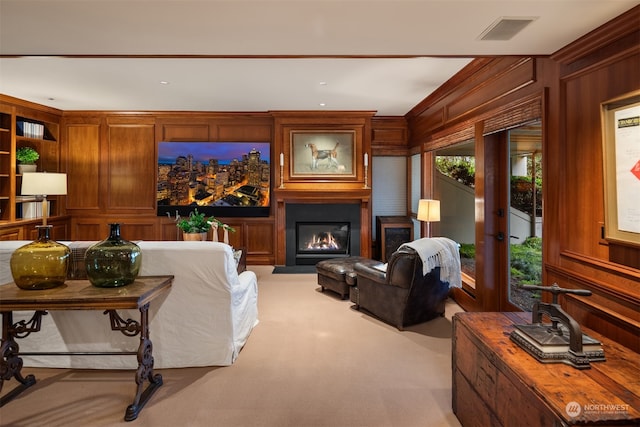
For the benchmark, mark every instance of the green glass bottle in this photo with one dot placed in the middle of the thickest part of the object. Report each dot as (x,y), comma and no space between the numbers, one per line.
(114,261)
(41,264)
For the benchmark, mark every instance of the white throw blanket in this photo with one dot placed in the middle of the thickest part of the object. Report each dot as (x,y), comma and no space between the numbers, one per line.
(439,252)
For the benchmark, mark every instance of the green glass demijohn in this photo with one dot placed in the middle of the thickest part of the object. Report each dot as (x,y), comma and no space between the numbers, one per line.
(41,264)
(114,261)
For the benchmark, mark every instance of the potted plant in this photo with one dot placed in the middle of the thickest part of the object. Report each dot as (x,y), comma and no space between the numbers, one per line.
(195,227)
(26,157)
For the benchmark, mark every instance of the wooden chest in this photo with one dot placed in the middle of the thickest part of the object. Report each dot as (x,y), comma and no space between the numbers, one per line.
(496,383)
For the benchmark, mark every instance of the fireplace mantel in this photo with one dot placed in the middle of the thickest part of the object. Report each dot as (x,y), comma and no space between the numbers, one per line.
(282,197)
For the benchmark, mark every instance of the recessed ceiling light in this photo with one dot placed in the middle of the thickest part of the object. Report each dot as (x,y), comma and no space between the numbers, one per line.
(164,82)
(323,83)
(322,104)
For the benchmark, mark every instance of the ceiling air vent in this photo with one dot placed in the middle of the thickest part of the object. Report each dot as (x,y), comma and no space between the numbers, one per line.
(505,28)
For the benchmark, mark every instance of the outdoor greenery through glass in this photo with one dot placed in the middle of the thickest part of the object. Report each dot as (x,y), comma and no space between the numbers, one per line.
(526,258)
(460,168)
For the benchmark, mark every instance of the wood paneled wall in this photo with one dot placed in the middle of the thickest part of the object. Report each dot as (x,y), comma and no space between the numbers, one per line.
(389,136)
(567,89)
(110,158)
(592,71)
(111,161)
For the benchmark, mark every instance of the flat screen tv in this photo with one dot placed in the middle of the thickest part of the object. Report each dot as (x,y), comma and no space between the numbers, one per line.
(223,179)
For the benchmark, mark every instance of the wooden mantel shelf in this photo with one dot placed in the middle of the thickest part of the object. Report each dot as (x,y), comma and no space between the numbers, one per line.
(321,195)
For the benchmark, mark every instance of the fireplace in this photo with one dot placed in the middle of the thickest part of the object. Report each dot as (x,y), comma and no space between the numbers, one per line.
(326,239)
(315,232)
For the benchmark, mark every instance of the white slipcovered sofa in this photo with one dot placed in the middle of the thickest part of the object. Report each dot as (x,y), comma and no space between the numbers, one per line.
(204,320)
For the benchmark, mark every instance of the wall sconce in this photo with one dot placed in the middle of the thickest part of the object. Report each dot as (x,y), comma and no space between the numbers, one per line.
(43,184)
(428,211)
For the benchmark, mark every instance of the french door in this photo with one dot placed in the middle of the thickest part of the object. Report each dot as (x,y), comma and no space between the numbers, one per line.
(513,212)
(490,189)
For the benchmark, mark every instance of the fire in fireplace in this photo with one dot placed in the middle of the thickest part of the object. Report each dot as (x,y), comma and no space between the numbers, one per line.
(305,243)
(329,239)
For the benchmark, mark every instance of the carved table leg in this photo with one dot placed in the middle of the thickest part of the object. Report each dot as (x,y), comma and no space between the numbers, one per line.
(11,363)
(145,369)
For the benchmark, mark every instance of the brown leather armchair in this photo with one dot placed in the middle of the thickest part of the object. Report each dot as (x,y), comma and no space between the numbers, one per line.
(402,296)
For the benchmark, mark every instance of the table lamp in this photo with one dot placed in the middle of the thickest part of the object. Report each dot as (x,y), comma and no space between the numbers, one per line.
(43,184)
(428,211)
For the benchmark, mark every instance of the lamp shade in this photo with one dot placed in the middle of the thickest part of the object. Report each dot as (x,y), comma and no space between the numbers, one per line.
(428,210)
(44,184)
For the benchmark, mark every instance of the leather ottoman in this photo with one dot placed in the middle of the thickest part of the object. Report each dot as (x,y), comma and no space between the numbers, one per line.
(338,275)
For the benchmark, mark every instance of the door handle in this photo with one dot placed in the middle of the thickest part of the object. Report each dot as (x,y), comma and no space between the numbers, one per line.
(500,236)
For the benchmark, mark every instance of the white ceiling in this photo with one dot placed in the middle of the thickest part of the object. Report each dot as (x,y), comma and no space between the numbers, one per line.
(242,55)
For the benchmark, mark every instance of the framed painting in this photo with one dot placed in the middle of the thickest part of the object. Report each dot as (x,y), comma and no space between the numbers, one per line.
(323,154)
(621,156)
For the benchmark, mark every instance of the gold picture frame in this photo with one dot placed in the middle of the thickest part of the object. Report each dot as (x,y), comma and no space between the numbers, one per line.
(324,154)
(621,157)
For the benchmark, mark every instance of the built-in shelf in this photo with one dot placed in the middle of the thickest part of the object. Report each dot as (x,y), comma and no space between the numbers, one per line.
(35,130)
(21,126)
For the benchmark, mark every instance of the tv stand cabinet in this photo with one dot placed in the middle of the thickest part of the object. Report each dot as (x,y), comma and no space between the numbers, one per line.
(496,383)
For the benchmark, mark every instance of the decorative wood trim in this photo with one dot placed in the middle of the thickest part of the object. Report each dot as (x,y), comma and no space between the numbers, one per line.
(244,132)
(84,192)
(521,73)
(395,136)
(390,151)
(21,103)
(389,136)
(185,132)
(137,140)
(433,121)
(618,269)
(604,289)
(614,317)
(595,64)
(477,97)
(605,35)
(467,74)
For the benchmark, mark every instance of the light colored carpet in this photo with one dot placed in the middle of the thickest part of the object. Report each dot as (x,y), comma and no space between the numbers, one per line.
(312,361)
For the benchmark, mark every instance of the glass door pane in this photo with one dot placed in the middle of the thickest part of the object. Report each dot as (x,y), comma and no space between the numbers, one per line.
(454,186)
(525,214)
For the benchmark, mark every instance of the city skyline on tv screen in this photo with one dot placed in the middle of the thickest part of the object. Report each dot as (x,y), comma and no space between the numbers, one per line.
(214,176)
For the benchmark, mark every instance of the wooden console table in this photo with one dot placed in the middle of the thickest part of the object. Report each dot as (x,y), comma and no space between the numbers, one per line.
(496,383)
(81,295)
